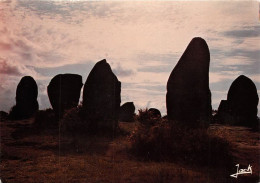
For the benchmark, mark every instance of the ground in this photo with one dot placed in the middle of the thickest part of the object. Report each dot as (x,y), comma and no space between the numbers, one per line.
(39,155)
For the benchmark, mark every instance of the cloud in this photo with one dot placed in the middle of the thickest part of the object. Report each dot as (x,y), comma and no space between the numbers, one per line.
(245,61)
(255,78)
(245,32)
(154,87)
(152,62)
(166,58)
(5,46)
(215,77)
(158,68)
(5,68)
(65,11)
(7,91)
(122,72)
(250,54)
(7,98)
(82,69)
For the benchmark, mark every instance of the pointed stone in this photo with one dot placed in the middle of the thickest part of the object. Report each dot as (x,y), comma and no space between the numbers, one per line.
(101,96)
(223,115)
(188,97)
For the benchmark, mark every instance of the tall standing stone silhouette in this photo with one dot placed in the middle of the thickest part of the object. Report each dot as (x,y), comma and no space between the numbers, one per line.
(101,96)
(64,92)
(127,112)
(26,99)
(188,97)
(242,101)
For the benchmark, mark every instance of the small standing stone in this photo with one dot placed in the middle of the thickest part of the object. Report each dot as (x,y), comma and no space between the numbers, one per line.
(127,112)
(26,99)
(64,92)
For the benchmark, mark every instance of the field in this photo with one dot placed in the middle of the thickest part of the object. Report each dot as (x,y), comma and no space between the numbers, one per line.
(38,155)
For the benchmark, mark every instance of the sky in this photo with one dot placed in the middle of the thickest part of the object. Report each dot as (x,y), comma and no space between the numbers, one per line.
(141,40)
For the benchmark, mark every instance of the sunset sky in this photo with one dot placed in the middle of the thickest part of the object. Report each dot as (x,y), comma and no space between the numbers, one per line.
(142,41)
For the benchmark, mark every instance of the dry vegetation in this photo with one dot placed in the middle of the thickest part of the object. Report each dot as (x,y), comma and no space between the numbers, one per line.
(162,140)
(33,154)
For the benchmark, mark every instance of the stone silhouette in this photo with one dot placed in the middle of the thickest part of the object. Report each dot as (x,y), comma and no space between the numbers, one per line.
(26,99)
(188,97)
(64,92)
(155,113)
(127,112)
(102,97)
(223,112)
(240,108)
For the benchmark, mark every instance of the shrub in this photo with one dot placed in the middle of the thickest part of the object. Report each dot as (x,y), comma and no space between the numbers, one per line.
(147,118)
(3,116)
(75,122)
(169,141)
(45,119)
(22,112)
(72,123)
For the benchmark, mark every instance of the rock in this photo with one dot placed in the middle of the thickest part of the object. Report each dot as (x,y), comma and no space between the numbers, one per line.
(155,113)
(188,97)
(223,106)
(26,99)
(241,105)
(102,96)
(64,92)
(3,115)
(127,112)
(223,112)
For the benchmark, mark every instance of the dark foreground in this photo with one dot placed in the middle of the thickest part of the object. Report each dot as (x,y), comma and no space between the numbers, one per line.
(30,155)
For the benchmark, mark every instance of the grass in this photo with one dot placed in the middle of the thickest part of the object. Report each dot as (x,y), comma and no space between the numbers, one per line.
(52,157)
(147,118)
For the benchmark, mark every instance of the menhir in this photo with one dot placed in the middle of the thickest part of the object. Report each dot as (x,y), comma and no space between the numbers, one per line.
(241,105)
(188,97)
(26,99)
(101,97)
(64,92)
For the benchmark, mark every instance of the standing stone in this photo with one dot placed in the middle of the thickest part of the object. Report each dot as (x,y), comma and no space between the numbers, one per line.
(101,96)
(188,97)
(127,112)
(155,113)
(223,115)
(26,99)
(242,101)
(64,92)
